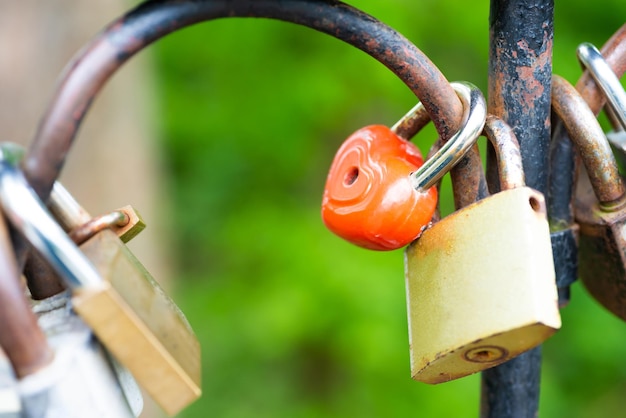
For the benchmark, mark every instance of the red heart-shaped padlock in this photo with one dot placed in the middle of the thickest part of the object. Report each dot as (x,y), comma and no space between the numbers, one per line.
(369,199)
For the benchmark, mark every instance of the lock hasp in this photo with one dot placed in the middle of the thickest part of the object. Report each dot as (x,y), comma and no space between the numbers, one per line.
(481,287)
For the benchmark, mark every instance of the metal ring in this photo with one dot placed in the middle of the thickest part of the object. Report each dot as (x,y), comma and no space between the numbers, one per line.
(30,217)
(614,52)
(605,78)
(474,116)
(508,155)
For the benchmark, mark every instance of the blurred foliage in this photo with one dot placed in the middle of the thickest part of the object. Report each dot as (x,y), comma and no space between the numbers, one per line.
(293,321)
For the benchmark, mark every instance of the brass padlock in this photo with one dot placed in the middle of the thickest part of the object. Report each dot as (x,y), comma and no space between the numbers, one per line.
(130,314)
(480,282)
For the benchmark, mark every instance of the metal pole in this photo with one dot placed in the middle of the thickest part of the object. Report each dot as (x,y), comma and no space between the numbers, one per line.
(520,71)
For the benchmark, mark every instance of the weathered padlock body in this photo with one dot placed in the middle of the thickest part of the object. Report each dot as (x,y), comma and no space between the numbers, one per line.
(140,325)
(602,263)
(481,287)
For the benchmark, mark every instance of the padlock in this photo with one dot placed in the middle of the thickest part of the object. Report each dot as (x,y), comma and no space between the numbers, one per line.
(379,192)
(600,204)
(480,282)
(128,312)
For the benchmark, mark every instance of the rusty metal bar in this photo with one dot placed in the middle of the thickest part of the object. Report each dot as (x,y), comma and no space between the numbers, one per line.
(520,71)
(508,156)
(585,131)
(561,184)
(152,20)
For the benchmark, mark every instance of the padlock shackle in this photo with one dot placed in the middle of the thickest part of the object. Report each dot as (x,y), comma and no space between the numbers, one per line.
(451,152)
(507,150)
(605,78)
(90,69)
(586,133)
(468,178)
(614,53)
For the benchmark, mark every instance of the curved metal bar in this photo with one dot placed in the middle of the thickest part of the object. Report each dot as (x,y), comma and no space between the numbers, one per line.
(562,163)
(585,131)
(86,231)
(468,179)
(95,64)
(614,53)
(507,150)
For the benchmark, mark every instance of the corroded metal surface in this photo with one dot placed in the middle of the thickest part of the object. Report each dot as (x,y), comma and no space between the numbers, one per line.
(152,20)
(602,239)
(587,134)
(563,176)
(520,70)
(507,151)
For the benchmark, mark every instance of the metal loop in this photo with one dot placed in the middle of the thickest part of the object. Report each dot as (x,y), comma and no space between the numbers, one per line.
(614,52)
(587,134)
(562,164)
(84,232)
(507,150)
(150,21)
(30,217)
(474,116)
(606,79)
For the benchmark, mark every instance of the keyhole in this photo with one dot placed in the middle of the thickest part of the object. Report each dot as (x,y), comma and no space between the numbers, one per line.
(351,176)
(483,355)
(486,354)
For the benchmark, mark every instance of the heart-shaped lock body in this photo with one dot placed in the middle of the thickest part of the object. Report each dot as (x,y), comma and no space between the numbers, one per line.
(369,199)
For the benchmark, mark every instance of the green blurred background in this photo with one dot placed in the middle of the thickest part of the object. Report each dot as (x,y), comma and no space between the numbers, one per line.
(293,321)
